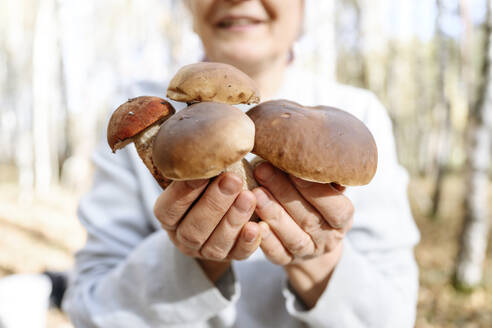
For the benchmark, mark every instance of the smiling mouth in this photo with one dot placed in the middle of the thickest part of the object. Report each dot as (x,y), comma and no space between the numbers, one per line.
(237,22)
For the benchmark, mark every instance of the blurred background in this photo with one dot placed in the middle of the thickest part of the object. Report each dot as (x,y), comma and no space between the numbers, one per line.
(63,64)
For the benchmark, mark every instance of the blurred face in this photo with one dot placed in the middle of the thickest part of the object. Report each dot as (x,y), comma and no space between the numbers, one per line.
(247,32)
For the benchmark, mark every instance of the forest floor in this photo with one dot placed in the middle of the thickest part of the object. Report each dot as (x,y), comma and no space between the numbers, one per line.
(440,305)
(43,233)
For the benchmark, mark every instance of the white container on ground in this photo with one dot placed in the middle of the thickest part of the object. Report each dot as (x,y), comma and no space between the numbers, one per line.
(24,301)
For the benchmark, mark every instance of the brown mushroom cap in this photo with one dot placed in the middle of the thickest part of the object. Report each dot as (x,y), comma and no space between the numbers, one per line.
(320,144)
(212,82)
(133,117)
(201,140)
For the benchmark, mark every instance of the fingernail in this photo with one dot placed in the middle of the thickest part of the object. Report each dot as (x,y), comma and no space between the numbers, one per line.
(229,185)
(264,171)
(300,182)
(249,235)
(243,203)
(193,184)
(265,230)
(261,198)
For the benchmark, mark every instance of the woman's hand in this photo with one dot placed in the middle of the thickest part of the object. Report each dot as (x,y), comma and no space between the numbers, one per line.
(209,221)
(304,224)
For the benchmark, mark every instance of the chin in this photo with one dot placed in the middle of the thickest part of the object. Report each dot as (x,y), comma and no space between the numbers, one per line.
(244,57)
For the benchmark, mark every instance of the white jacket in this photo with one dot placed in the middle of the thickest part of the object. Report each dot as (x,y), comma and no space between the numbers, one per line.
(130,275)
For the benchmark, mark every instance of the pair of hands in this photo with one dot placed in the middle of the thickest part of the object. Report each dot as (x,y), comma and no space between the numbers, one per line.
(209,220)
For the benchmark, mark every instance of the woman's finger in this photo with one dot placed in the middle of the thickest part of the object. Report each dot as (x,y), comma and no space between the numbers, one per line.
(222,239)
(175,200)
(182,248)
(333,205)
(271,246)
(282,188)
(294,239)
(196,227)
(248,241)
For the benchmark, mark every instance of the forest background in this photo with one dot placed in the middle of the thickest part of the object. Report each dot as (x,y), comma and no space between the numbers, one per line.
(63,63)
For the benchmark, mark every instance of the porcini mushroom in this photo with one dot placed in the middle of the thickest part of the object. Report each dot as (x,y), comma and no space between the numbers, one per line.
(217,84)
(319,144)
(203,140)
(138,120)
(209,81)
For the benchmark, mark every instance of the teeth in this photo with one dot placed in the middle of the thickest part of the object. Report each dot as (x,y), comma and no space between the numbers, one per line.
(236,22)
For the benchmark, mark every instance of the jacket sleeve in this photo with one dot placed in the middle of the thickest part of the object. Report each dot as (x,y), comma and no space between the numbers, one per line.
(128,272)
(375,284)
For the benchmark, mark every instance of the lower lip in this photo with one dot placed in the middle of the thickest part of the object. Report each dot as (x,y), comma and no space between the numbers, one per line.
(240,28)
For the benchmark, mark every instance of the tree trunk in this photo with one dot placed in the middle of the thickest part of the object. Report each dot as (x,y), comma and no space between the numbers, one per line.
(18,38)
(46,96)
(373,43)
(442,114)
(468,271)
(320,22)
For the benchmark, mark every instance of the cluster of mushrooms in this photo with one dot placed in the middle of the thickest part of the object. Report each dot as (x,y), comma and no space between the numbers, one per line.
(210,136)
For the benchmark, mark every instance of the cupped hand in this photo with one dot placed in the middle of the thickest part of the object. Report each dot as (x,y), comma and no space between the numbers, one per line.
(301,220)
(209,220)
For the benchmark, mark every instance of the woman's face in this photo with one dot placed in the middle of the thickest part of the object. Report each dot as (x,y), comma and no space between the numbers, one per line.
(247,32)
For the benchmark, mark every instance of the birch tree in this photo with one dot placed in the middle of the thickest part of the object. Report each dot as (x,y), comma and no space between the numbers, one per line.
(319,45)
(473,243)
(442,115)
(373,42)
(18,18)
(47,104)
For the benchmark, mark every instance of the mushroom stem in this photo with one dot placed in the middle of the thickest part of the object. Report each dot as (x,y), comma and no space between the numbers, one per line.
(144,143)
(245,171)
(138,121)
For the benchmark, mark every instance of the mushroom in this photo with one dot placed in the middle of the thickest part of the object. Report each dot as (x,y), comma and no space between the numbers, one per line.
(216,86)
(203,140)
(319,144)
(209,81)
(138,120)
